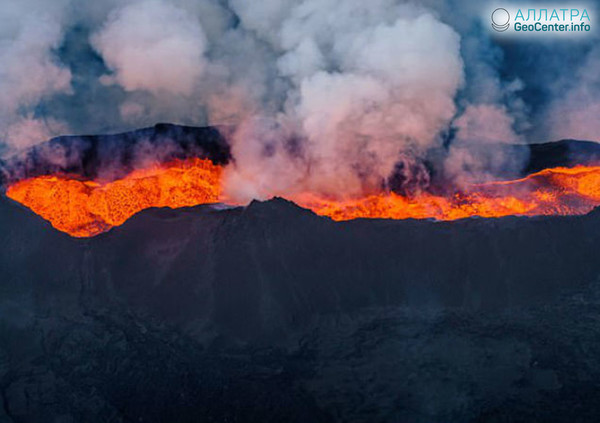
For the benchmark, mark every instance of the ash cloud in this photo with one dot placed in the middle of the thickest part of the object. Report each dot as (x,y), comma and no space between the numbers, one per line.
(334,98)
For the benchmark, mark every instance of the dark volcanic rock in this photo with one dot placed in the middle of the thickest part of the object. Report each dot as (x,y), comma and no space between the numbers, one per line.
(562,153)
(271,313)
(114,156)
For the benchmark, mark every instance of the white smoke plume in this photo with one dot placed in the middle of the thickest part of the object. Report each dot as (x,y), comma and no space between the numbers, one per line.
(326,96)
(153,46)
(574,114)
(29,71)
(321,96)
(376,82)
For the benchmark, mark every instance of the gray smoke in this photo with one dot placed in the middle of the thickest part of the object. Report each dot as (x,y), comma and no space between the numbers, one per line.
(574,111)
(29,72)
(374,84)
(322,96)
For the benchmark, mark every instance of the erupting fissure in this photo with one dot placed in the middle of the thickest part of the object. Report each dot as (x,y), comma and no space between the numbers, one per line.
(86,208)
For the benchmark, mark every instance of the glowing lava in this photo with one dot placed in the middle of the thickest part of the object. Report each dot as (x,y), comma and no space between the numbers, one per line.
(555,191)
(87,208)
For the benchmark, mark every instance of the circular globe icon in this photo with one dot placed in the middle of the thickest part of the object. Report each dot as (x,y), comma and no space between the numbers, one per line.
(500,19)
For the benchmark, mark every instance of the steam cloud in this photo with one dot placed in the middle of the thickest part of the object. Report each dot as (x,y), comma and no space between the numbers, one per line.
(365,89)
(320,96)
(163,52)
(574,114)
(29,31)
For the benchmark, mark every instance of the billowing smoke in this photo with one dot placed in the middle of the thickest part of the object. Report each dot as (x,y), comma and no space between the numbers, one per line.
(364,89)
(29,72)
(319,96)
(163,52)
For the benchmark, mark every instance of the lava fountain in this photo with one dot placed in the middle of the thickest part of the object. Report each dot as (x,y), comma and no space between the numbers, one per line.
(84,208)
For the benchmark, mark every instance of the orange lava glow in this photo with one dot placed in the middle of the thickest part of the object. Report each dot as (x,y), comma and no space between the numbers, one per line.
(555,191)
(86,208)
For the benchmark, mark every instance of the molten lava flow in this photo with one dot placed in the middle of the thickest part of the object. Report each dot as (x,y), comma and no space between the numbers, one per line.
(555,191)
(87,208)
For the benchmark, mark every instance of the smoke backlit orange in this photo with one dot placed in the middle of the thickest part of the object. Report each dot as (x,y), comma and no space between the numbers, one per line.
(86,208)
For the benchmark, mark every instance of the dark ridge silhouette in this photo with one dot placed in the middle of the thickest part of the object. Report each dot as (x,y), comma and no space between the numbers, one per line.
(270,313)
(562,153)
(114,156)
